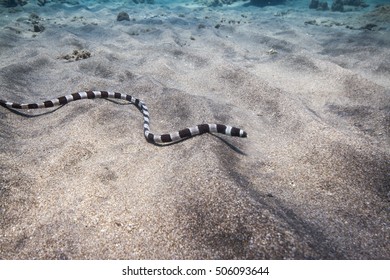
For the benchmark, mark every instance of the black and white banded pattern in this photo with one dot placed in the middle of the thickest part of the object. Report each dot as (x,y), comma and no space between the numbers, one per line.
(151,137)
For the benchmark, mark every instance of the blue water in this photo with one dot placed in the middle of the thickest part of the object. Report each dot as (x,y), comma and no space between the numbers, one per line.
(47,6)
(211,3)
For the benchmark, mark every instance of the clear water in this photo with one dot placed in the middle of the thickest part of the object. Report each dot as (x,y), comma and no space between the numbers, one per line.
(231,3)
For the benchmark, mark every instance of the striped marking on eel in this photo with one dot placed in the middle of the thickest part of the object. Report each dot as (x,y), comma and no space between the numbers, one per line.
(150,137)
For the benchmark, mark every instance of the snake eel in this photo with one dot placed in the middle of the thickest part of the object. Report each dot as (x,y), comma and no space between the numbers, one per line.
(150,137)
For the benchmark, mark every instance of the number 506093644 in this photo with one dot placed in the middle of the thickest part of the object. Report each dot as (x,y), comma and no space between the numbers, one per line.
(220,270)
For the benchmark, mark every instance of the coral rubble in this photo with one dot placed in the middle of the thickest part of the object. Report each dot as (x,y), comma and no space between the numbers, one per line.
(216,3)
(13,3)
(123,16)
(76,55)
(316,4)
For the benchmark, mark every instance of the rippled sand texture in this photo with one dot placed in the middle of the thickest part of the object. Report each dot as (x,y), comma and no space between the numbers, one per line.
(310,181)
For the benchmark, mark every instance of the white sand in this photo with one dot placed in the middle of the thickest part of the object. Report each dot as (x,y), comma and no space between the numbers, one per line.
(310,181)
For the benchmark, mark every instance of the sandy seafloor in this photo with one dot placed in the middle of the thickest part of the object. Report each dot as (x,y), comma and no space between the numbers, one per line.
(311,181)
